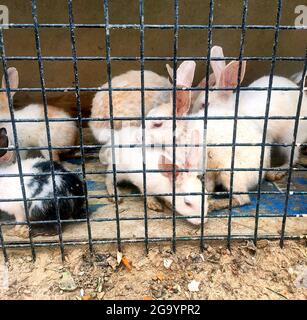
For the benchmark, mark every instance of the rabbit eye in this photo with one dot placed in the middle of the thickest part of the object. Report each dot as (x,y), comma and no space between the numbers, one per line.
(188,203)
(203,105)
(157,124)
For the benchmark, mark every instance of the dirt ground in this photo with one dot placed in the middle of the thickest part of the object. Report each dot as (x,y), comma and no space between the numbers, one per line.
(245,272)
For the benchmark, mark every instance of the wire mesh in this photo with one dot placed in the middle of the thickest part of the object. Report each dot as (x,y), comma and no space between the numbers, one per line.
(106,26)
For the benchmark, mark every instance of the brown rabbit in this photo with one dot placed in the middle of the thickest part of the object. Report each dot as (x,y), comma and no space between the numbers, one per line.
(126,103)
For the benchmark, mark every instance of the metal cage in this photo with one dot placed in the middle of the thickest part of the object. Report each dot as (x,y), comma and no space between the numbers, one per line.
(105,27)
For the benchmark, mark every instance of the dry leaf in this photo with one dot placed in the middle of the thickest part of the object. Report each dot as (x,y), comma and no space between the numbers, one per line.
(160,276)
(126,263)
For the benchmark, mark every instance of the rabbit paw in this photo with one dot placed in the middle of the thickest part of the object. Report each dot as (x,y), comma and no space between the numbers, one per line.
(154,204)
(19,232)
(275,175)
(119,200)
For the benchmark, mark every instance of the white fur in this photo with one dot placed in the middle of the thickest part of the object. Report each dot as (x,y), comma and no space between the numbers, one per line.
(253,103)
(10,188)
(128,159)
(35,134)
(219,132)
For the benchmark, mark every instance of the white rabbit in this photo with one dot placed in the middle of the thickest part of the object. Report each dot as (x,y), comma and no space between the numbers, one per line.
(128,159)
(253,103)
(34,134)
(37,186)
(218,132)
(126,103)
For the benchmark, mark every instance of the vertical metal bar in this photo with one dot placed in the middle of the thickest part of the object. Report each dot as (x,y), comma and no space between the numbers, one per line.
(141,5)
(109,70)
(234,137)
(298,112)
(4,252)
(204,151)
(175,48)
(45,104)
(16,143)
(77,86)
(267,111)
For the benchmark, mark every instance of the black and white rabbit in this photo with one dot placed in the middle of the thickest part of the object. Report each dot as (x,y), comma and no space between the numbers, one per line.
(38,186)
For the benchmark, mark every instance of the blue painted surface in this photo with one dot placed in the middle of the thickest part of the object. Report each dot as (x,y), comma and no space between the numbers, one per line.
(95,185)
(269,204)
(274,204)
(95,207)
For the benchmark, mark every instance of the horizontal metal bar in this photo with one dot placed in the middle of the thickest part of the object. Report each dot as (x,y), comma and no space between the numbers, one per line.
(139,195)
(95,172)
(154,26)
(151,146)
(100,89)
(151,58)
(148,118)
(23,244)
(158,217)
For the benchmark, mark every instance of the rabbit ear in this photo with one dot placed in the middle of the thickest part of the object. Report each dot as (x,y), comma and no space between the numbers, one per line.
(185,73)
(183,102)
(167,165)
(13,79)
(229,77)
(217,66)
(185,76)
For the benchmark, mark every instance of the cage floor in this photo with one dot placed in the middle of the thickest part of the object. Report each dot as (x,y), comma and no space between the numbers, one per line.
(160,224)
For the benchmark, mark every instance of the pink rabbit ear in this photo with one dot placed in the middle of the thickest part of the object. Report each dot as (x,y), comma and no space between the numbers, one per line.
(185,73)
(13,79)
(167,165)
(229,77)
(217,66)
(183,102)
(185,76)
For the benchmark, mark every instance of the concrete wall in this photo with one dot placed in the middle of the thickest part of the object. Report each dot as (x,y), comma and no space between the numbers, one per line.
(91,42)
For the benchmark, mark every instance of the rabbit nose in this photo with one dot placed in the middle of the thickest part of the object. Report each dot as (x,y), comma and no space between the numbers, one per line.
(187,202)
